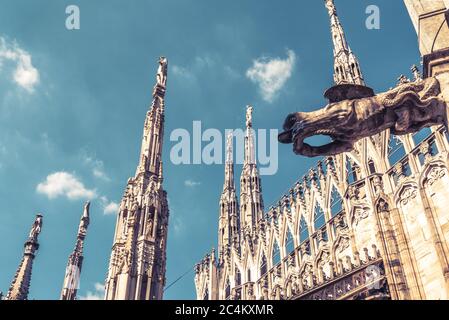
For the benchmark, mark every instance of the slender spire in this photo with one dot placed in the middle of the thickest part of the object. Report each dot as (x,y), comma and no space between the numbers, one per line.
(229,224)
(249,138)
(346,65)
(151,150)
(74,265)
(229,166)
(251,202)
(21,284)
(229,149)
(138,259)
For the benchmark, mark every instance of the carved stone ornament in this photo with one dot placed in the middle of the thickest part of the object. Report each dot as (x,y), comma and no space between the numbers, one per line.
(360,213)
(35,228)
(435,174)
(161,76)
(407,195)
(343,244)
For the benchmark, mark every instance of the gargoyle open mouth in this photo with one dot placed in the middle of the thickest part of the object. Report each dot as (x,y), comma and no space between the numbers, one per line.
(297,136)
(297,132)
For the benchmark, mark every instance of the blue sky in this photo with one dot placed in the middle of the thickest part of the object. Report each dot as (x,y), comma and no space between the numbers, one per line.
(74,102)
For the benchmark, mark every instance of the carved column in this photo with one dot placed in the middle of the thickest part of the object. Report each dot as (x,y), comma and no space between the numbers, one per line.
(414,283)
(440,245)
(392,260)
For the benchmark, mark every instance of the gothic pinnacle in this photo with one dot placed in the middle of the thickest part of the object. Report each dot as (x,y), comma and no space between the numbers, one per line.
(75,262)
(251,208)
(138,258)
(346,65)
(21,284)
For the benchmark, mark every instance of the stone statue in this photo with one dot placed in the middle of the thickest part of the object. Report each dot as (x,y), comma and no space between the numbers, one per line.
(36,228)
(249,116)
(84,223)
(405,109)
(330,6)
(161,76)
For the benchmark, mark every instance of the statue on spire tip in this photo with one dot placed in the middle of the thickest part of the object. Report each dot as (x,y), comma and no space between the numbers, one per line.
(331,7)
(249,116)
(36,228)
(161,77)
(86,209)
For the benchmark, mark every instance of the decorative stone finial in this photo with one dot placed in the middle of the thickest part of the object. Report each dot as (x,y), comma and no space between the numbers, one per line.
(249,116)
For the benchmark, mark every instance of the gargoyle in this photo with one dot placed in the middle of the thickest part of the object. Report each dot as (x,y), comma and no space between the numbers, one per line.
(405,109)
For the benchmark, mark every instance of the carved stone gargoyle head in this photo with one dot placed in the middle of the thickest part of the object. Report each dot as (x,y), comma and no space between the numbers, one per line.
(302,125)
(405,109)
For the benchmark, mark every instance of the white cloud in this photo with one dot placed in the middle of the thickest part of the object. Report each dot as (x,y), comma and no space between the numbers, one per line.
(109,207)
(64,184)
(271,74)
(25,74)
(98,294)
(191,183)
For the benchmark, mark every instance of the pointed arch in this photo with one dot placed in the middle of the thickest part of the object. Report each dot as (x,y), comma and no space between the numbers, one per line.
(432,172)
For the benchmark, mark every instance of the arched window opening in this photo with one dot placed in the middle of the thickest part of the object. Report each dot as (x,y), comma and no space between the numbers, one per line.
(263,265)
(371,167)
(276,254)
(303,230)
(351,171)
(336,202)
(206,294)
(421,135)
(319,219)
(396,150)
(238,277)
(289,243)
(228,289)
